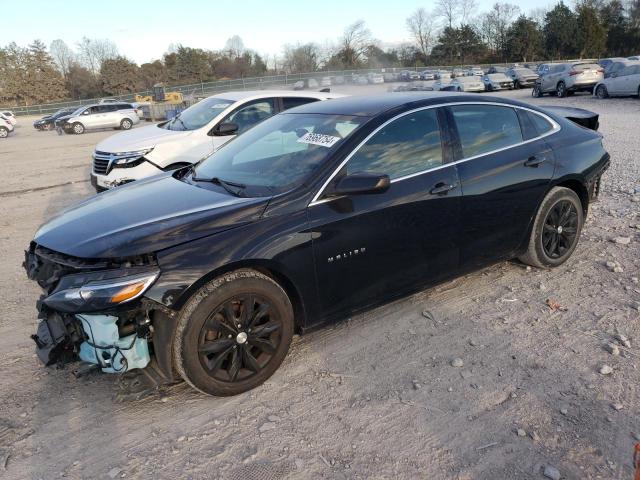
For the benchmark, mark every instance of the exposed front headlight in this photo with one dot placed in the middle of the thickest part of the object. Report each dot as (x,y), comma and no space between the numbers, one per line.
(101,295)
(130,157)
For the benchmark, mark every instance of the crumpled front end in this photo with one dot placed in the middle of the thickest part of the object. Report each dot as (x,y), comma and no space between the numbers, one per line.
(92,310)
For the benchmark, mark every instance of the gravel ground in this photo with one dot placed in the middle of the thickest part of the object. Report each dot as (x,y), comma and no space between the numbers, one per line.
(376,396)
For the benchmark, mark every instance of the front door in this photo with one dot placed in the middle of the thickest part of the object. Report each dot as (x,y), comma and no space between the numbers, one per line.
(368,248)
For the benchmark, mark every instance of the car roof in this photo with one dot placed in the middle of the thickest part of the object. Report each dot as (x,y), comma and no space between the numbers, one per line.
(372,105)
(255,94)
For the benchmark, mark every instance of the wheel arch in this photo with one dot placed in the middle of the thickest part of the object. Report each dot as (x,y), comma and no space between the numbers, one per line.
(579,187)
(267,267)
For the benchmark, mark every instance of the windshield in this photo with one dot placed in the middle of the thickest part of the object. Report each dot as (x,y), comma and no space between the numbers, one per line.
(524,71)
(467,79)
(279,153)
(497,76)
(198,115)
(78,111)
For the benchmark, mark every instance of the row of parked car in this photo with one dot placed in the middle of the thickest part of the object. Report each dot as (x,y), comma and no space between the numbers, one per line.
(107,113)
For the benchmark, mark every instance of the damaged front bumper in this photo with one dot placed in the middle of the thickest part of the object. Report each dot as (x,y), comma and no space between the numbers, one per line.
(92,310)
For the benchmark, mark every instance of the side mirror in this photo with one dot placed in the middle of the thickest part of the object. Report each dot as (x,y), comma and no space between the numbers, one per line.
(362,182)
(225,129)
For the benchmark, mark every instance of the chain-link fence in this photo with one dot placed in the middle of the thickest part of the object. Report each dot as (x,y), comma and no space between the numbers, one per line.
(197,90)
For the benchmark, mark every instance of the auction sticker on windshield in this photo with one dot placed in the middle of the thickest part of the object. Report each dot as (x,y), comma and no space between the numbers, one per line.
(319,139)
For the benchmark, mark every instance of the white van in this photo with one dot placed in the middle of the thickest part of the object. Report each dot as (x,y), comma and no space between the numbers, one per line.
(192,135)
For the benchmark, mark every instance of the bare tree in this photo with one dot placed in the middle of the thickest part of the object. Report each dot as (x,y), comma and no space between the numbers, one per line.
(496,23)
(95,51)
(421,25)
(448,10)
(62,55)
(354,43)
(466,9)
(301,58)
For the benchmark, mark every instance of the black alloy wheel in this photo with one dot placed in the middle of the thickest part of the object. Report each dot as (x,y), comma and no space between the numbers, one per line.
(233,333)
(560,229)
(239,338)
(556,229)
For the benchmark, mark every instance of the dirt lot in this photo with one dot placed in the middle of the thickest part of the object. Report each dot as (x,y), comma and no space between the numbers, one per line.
(375,396)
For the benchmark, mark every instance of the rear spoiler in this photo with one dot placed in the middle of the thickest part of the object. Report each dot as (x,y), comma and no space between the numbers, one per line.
(582,117)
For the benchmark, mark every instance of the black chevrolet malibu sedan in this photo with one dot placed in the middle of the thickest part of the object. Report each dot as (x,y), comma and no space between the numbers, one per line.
(205,273)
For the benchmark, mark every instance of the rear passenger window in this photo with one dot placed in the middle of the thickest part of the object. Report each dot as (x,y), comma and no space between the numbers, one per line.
(291,102)
(408,145)
(484,128)
(542,124)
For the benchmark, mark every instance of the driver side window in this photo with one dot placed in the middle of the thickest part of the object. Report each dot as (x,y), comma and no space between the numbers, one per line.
(408,145)
(251,114)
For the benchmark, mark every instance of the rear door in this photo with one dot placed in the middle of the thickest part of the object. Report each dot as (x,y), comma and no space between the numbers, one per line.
(504,170)
(370,247)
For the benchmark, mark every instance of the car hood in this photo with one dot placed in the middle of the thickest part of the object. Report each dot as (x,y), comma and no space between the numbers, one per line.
(139,138)
(144,217)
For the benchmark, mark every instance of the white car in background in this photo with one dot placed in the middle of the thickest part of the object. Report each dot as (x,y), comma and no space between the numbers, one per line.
(620,84)
(189,137)
(9,117)
(467,84)
(5,126)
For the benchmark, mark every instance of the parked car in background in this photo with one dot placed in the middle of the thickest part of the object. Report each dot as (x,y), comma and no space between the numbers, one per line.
(563,79)
(623,83)
(477,71)
(191,136)
(497,69)
(617,66)
(5,126)
(634,57)
(325,82)
(409,75)
(440,84)
(522,77)
(444,75)
(338,80)
(427,75)
(301,221)
(375,78)
(11,118)
(606,63)
(299,85)
(457,72)
(496,81)
(312,83)
(122,116)
(467,84)
(48,121)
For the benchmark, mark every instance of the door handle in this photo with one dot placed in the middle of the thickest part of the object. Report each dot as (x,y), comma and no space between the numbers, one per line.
(441,188)
(535,160)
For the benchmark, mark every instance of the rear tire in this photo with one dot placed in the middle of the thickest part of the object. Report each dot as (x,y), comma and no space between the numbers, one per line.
(516,85)
(233,333)
(78,128)
(536,92)
(556,229)
(561,90)
(126,124)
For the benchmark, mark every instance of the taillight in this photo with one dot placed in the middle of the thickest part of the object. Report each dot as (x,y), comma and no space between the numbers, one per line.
(574,72)
(600,70)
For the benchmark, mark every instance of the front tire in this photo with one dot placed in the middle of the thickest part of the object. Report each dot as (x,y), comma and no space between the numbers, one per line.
(78,128)
(556,229)
(536,92)
(233,334)
(126,124)
(4,132)
(601,92)
(516,85)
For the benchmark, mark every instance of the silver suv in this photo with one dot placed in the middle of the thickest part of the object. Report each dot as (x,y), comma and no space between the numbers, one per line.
(564,79)
(102,115)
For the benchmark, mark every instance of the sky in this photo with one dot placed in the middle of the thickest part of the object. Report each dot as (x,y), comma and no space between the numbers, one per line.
(144,29)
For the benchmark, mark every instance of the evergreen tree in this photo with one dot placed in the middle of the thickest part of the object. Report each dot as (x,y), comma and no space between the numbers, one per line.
(561,32)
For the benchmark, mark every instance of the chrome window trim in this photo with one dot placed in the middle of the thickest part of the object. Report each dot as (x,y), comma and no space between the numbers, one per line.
(556,128)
